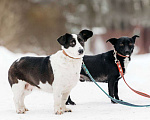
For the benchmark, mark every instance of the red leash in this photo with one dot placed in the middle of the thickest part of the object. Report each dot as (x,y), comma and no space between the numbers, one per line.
(121,73)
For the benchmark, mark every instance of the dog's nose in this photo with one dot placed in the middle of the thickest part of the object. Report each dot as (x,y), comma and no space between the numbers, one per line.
(80,51)
(127,52)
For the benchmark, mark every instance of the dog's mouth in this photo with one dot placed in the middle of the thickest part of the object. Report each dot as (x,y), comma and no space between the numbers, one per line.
(80,53)
(127,54)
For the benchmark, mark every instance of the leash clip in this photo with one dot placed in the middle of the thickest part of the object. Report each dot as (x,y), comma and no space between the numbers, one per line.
(115,56)
(85,69)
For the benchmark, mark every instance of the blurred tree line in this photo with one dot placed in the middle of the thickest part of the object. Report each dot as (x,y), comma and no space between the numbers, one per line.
(35,25)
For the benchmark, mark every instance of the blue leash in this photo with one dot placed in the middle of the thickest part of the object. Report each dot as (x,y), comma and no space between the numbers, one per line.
(115,100)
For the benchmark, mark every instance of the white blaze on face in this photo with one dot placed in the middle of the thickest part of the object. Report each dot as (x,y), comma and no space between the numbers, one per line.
(74,51)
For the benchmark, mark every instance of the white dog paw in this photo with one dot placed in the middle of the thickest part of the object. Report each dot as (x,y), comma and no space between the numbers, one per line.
(58,111)
(21,111)
(26,109)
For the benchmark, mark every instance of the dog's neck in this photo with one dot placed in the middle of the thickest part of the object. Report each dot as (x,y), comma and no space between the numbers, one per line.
(116,53)
(68,55)
(119,56)
(122,55)
(124,60)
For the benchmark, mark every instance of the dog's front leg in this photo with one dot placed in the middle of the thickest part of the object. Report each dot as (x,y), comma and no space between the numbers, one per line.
(63,102)
(111,89)
(116,90)
(57,102)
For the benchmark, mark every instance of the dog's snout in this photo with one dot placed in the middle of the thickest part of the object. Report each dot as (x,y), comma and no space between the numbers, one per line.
(80,51)
(127,52)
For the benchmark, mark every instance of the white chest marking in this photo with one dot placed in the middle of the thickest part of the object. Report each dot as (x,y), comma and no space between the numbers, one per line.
(126,62)
(66,71)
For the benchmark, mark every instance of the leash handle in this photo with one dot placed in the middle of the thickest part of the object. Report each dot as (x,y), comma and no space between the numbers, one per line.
(122,75)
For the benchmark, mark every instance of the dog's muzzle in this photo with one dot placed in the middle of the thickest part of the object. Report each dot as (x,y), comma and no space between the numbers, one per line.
(127,53)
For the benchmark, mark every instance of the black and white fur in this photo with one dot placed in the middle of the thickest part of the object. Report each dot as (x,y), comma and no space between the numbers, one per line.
(103,67)
(57,73)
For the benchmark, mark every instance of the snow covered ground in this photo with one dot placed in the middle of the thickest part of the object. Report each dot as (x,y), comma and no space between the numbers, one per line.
(92,104)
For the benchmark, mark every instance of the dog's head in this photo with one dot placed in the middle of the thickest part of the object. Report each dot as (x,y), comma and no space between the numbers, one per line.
(73,44)
(123,45)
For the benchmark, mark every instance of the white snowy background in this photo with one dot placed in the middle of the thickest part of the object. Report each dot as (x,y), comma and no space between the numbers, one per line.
(92,104)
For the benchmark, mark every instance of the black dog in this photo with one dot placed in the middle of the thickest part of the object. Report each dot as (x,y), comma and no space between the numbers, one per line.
(103,67)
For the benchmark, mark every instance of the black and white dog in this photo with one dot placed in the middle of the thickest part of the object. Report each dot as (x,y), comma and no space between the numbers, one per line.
(103,67)
(57,73)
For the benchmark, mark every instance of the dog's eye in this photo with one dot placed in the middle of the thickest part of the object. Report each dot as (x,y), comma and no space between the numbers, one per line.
(130,44)
(121,44)
(72,43)
(81,41)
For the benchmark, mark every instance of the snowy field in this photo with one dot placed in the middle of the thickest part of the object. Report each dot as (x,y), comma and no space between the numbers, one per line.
(92,104)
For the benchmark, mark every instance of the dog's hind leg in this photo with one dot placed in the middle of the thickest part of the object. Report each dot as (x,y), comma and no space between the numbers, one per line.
(22,102)
(19,92)
(27,91)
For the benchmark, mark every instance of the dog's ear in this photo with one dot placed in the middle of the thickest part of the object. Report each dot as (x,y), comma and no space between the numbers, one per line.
(134,37)
(112,41)
(86,34)
(63,39)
